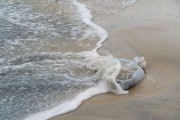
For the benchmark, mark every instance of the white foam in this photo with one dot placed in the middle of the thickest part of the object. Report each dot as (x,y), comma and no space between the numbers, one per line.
(108,67)
(70,105)
(87,19)
(23,15)
(110,71)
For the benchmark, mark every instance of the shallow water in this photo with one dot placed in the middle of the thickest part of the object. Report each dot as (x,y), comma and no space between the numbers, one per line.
(38,65)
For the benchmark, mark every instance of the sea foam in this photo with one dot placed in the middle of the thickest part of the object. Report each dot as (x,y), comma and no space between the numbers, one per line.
(87,19)
(69,105)
(108,67)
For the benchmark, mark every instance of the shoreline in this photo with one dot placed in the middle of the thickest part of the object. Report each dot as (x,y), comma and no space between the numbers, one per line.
(157,96)
(149,29)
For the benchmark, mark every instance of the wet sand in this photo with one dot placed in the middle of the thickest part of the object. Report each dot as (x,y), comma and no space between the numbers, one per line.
(150,28)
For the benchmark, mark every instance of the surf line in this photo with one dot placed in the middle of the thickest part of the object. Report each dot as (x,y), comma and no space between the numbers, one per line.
(101,87)
(87,19)
(113,66)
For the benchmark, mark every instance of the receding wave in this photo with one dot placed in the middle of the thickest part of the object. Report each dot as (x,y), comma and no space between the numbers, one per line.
(107,68)
(38,69)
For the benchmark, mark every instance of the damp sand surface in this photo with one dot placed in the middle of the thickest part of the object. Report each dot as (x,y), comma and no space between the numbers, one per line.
(150,29)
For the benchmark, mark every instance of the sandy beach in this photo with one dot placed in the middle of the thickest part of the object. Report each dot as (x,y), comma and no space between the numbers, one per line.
(150,28)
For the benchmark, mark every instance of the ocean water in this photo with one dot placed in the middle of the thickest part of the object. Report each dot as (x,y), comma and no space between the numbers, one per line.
(49,60)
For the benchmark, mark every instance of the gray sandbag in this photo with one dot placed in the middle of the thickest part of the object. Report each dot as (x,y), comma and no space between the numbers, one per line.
(137,76)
